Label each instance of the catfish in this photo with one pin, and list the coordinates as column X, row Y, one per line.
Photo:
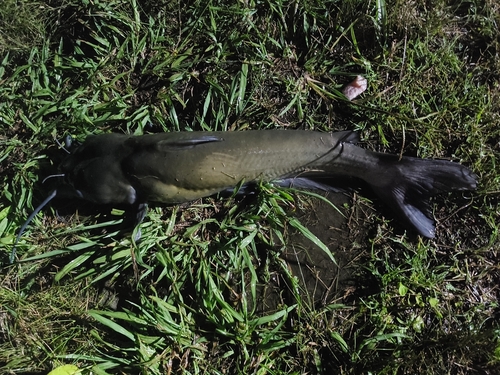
column 178, row 167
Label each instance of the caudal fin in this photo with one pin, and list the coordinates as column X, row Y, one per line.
column 404, row 185
column 410, row 182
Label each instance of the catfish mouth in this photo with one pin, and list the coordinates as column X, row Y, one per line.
column 65, row 190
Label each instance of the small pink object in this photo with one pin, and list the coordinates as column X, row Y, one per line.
column 355, row 88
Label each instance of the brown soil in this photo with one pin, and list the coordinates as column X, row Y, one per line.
column 322, row 281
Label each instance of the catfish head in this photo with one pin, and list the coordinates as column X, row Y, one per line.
column 93, row 172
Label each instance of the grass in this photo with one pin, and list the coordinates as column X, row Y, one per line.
column 247, row 285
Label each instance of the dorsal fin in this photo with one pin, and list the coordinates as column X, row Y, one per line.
column 188, row 143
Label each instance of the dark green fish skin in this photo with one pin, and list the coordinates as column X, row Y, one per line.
column 209, row 167
column 183, row 166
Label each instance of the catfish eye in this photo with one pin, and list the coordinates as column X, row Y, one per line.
column 80, row 177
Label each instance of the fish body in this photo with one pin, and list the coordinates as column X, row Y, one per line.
column 182, row 166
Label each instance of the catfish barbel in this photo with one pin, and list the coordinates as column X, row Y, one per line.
column 183, row 166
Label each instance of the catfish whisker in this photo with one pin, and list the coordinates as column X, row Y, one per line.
column 65, row 146
column 51, row 196
column 53, row 175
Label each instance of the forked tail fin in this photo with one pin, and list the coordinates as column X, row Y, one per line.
column 409, row 182
column 404, row 185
